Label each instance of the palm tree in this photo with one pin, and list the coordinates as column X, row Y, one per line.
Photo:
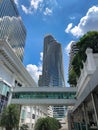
column 10, row 117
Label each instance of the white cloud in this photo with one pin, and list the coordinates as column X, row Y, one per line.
column 41, row 56
column 68, row 47
column 26, row 10
column 43, row 6
column 76, row 31
column 72, row 18
column 87, row 23
column 47, row 11
column 35, row 70
column 16, row 2
column 34, row 6
column 52, row 3
column 67, row 30
column 35, row 3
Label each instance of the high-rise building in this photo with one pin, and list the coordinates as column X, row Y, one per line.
column 74, row 49
column 53, row 72
column 12, row 71
column 11, row 27
column 13, row 34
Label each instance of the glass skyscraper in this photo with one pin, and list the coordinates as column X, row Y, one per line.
column 13, row 31
column 53, row 72
column 11, row 27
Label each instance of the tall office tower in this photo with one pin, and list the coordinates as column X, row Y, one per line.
column 72, row 53
column 11, row 27
column 53, row 72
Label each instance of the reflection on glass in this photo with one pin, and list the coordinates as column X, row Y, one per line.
column 11, row 27
column 42, row 95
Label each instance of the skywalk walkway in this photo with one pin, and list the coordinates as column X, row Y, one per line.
column 44, row 96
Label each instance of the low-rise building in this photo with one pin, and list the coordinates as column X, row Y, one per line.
column 86, row 108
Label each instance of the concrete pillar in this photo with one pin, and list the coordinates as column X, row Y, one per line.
column 20, row 112
column 90, row 60
column 10, row 96
column 69, row 117
column 95, row 105
column 35, row 112
column 85, row 115
column 30, row 118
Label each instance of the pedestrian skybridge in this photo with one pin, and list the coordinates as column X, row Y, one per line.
column 44, row 96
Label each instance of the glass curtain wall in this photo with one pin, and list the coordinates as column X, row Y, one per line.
column 4, row 94
column 11, row 27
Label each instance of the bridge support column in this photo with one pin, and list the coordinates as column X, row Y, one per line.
column 20, row 111
column 95, row 105
column 10, row 96
column 30, row 126
column 35, row 112
column 85, row 115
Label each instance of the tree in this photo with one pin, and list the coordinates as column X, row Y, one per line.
column 47, row 123
column 54, row 123
column 89, row 40
column 24, row 127
column 10, row 117
column 41, row 124
column 72, row 78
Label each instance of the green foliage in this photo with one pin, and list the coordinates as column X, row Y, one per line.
column 89, row 40
column 72, row 78
column 10, row 117
column 47, row 123
column 41, row 124
column 77, row 64
column 24, row 127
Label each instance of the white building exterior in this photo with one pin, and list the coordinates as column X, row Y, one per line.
column 13, row 74
column 89, row 67
column 30, row 114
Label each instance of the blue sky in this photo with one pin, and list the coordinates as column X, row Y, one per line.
column 66, row 20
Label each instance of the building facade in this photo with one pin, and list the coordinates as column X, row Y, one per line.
column 11, row 27
column 12, row 72
column 14, row 75
column 12, row 33
column 85, row 112
column 72, row 53
column 53, row 72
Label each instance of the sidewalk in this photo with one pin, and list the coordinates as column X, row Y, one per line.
column 64, row 128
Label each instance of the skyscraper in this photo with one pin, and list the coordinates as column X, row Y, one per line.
column 11, row 27
column 74, row 49
column 52, row 73
column 12, row 32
